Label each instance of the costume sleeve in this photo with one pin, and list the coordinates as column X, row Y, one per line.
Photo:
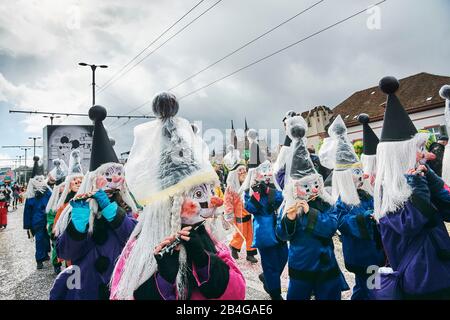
column 28, row 214
column 275, row 198
column 122, row 225
column 251, row 204
column 286, row 228
column 353, row 221
column 279, row 177
column 72, row 244
column 213, row 278
column 440, row 197
column 408, row 221
column 321, row 224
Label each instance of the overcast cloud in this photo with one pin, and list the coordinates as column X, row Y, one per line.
column 41, row 43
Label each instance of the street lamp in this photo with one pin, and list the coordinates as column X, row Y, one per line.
column 93, row 67
column 51, row 118
column 34, row 143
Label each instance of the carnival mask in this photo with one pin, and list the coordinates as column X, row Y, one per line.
column 308, row 187
column 112, row 178
column 264, row 173
column 75, row 184
column 199, row 204
column 358, row 177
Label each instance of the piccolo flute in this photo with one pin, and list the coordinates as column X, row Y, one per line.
column 169, row 248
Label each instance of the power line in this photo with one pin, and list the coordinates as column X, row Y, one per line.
column 151, row 43
column 158, row 47
column 278, row 51
column 77, row 114
column 245, row 45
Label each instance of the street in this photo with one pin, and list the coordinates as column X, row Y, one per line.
column 19, row 279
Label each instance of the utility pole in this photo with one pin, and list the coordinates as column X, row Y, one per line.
column 34, row 142
column 93, row 68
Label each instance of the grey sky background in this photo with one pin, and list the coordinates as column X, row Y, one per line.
column 41, row 43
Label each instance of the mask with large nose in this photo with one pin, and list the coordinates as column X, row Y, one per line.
column 111, row 178
column 308, row 187
column 199, row 204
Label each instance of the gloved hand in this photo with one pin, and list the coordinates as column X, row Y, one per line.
column 102, row 199
column 110, row 211
column 80, row 214
column 195, row 249
column 419, row 185
column 168, row 266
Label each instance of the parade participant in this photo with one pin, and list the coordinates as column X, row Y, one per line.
column 262, row 200
column 369, row 155
column 34, row 218
column 174, row 182
column 445, row 94
column 93, row 229
column 414, row 236
column 354, row 206
column 65, row 192
column 234, row 205
column 307, row 221
column 279, row 167
column 16, row 196
column 57, row 174
column 3, row 211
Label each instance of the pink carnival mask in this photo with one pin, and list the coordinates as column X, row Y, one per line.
column 264, row 173
column 308, row 187
column 111, row 179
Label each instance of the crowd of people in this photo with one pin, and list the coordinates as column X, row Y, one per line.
column 11, row 195
column 159, row 227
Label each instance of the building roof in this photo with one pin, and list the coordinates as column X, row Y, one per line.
column 417, row 93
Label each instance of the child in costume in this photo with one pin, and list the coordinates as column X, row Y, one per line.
column 174, row 180
column 262, row 200
column 234, row 205
column 354, row 206
column 93, row 229
column 409, row 206
column 34, row 216
column 307, row 221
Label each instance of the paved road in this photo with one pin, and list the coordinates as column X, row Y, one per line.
column 19, row 278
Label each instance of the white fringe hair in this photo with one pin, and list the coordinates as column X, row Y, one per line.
column 343, row 186
column 369, row 164
column 233, row 180
column 32, row 188
column 88, row 185
column 394, row 159
column 446, row 165
column 158, row 220
column 52, row 204
column 66, row 190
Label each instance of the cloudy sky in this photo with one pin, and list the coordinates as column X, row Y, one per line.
column 42, row 41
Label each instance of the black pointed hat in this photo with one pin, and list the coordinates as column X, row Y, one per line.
column 301, row 165
column 397, row 125
column 102, row 150
column 370, row 139
column 37, row 169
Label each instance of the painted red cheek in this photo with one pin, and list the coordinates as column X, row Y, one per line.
column 189, row 208
column 101, row 182
column 215, row 202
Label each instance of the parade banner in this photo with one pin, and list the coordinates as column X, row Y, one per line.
column 60, row 141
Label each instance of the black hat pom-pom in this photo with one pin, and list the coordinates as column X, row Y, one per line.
column 363, row 118
column 35, row 158
column 445, row 92
column 165, row 105
column 389, row 85
column 298, row 132
column 97, row 113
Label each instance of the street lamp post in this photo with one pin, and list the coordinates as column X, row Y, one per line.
column 93, row 68
column 34, row 143
column 26, row 167
column 51, row 118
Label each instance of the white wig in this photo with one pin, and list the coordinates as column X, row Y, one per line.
column 52, row 204
column 343, row 186
column 394, row 159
